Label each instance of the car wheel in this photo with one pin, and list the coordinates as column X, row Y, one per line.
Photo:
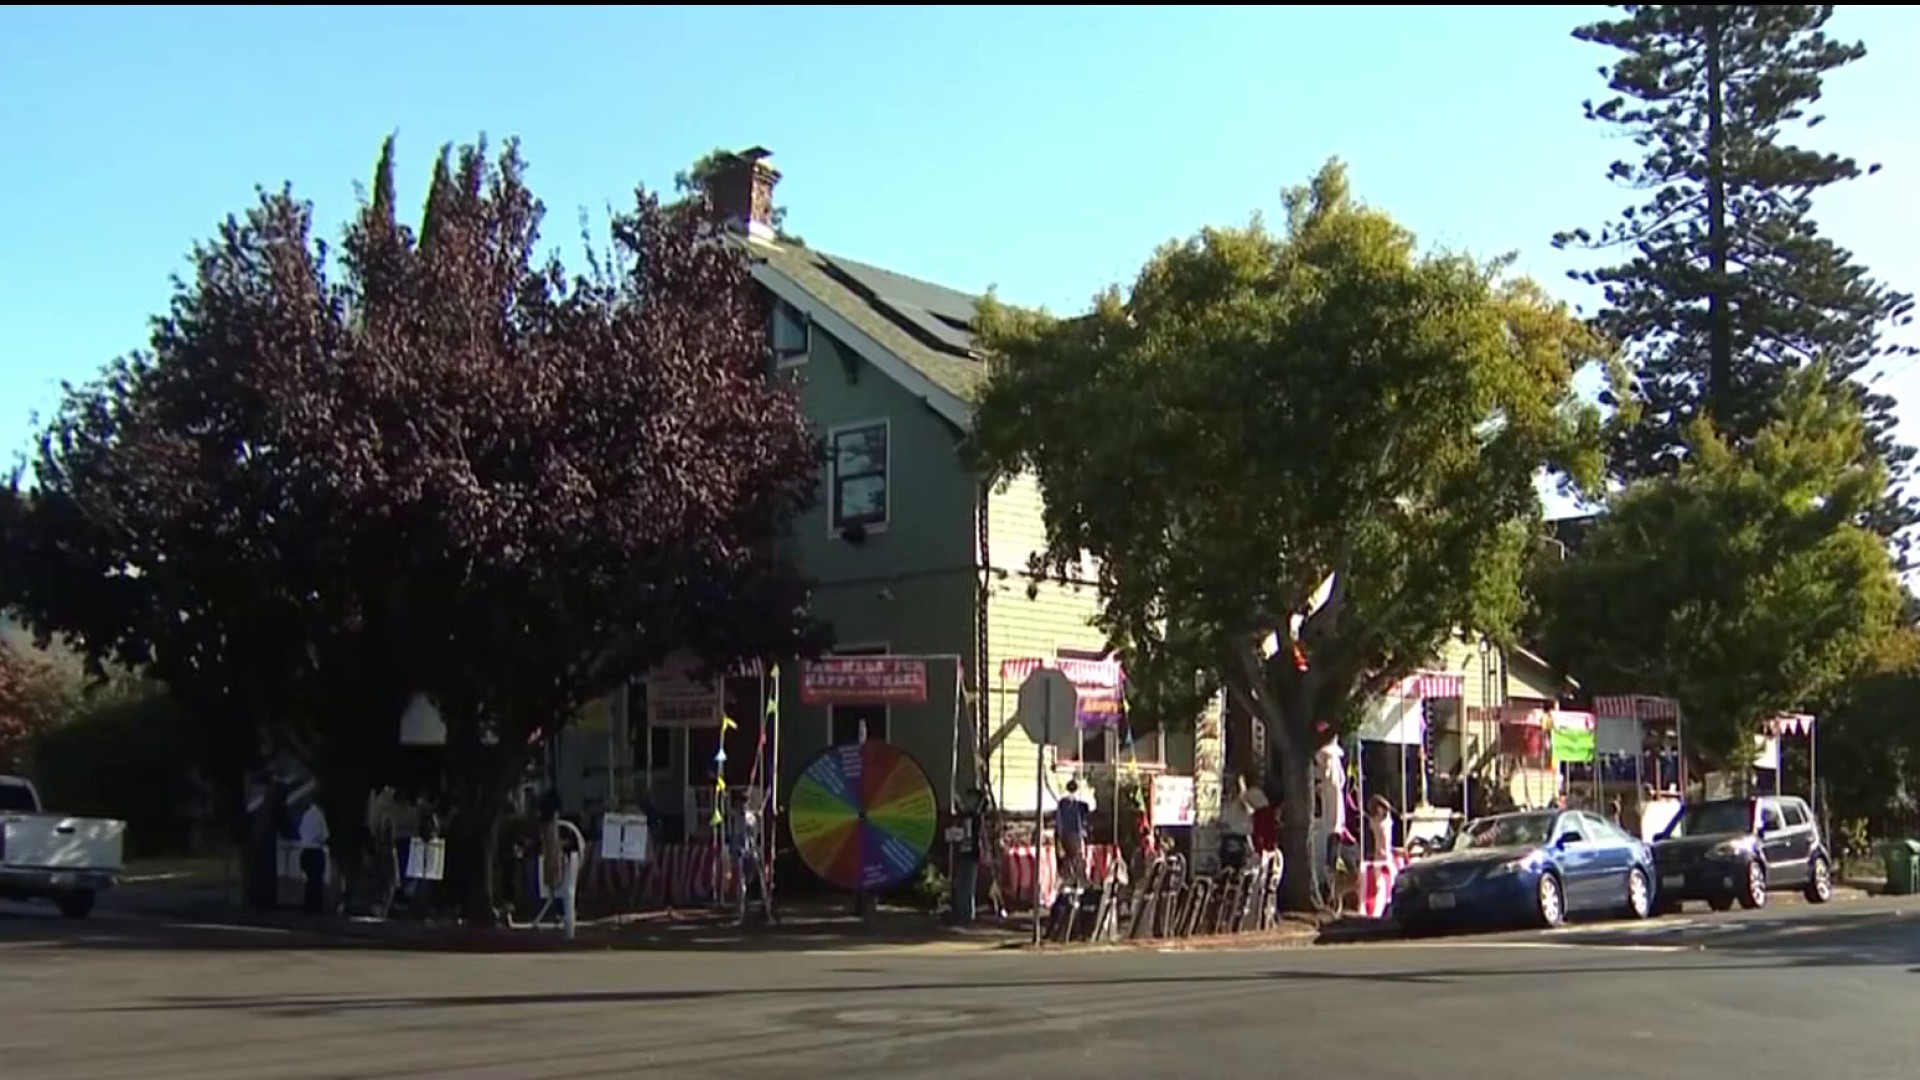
column 1820, row 881
column 1549, row 901
column 1720, row 903
column 1754, row 895
column 1639, row 894
column 75, row 905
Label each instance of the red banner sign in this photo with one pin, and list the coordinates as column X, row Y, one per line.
column 864, row 680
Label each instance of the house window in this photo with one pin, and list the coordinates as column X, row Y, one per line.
column 1096, row 745
column 659, row 750
column 859, row 488
column 789, row 333
column 702, row 746
column 849, row 724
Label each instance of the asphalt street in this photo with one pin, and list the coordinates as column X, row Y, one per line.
column 1789, row 992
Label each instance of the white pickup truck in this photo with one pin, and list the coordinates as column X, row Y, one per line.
column 43, row 856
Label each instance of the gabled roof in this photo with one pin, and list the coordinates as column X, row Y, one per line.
column 917, row 332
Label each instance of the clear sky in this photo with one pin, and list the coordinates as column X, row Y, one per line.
column 1045, row 150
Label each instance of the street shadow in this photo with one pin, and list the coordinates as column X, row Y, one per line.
column 233, row 931
column 299, row 1006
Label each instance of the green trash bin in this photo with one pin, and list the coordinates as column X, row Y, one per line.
column 1903, row 866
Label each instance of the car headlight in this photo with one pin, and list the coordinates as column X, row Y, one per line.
column 1731, row 849
column 1511, row 867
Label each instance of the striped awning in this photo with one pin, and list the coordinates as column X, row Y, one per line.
column 1788, row 724
column 1429, row 684
column 1511, row 715
column 1635, row 707
column 1080, row 672
column 1569, row 719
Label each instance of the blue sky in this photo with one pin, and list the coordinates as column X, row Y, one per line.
column 1043, row 150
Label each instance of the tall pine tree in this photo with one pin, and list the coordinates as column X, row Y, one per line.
column 1726, row 283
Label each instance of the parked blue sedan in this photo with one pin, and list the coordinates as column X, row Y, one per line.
column 1532, row 867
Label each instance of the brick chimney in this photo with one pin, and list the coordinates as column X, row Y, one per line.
column 741, row 189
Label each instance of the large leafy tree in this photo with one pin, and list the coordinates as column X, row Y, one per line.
column 34, row 699
column 1869, row 742
column 1264, row 416
column 1725, row 283
column 1745, row 585
column 438, row 465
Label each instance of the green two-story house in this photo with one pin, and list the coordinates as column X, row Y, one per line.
column 913, row 554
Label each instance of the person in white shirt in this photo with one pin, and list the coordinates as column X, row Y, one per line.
column 313, row 857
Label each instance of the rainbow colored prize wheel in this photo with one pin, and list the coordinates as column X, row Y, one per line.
column 863, row 816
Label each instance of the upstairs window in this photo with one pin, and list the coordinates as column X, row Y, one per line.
column 859, row 476
column 789, row 334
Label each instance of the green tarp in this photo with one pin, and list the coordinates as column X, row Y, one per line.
column 1572, row 744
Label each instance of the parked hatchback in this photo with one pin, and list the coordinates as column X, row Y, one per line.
column 1737, row 851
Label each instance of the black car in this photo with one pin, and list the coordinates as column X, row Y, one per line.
column 1734, row 851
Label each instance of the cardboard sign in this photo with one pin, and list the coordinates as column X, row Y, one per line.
column 864, row 680
column 623, row 838
column 675, row 699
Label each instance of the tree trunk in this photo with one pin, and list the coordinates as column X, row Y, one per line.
column 479, row 779
column 1291, row 745
column 1719, row 310
column 470, row 855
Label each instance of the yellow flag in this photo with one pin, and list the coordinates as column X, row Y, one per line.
column 727, row 724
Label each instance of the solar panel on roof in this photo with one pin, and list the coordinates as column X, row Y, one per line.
column 930, row 324
column 930, row 312
column 892, row 286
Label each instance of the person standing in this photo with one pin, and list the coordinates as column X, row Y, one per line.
column 1236, row 823
column 970, row 839
column 1070, row 816
column 744, row 853
column 313, row 857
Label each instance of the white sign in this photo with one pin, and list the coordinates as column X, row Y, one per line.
column 421, row 724
column 675, row 699
column 1398, row 720
column 623, row 838
column 1172, row 801
column 426, row 859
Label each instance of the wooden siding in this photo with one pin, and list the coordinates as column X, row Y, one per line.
column 1025, row 618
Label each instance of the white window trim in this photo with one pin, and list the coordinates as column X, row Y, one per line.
column 801, row 319
column 885, row 424
column 864, row 648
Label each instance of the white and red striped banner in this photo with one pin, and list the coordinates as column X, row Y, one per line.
column 1429, row 684
column 1567, row 719
column 1083, row 674
column 1635, row 707
column 1018, row 868
column 679, row 875
column 1788, row 724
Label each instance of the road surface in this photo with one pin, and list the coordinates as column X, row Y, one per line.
column 1799, row 993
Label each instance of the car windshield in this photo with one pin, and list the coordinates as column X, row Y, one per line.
column 1713, row 818
column 1508, row 830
